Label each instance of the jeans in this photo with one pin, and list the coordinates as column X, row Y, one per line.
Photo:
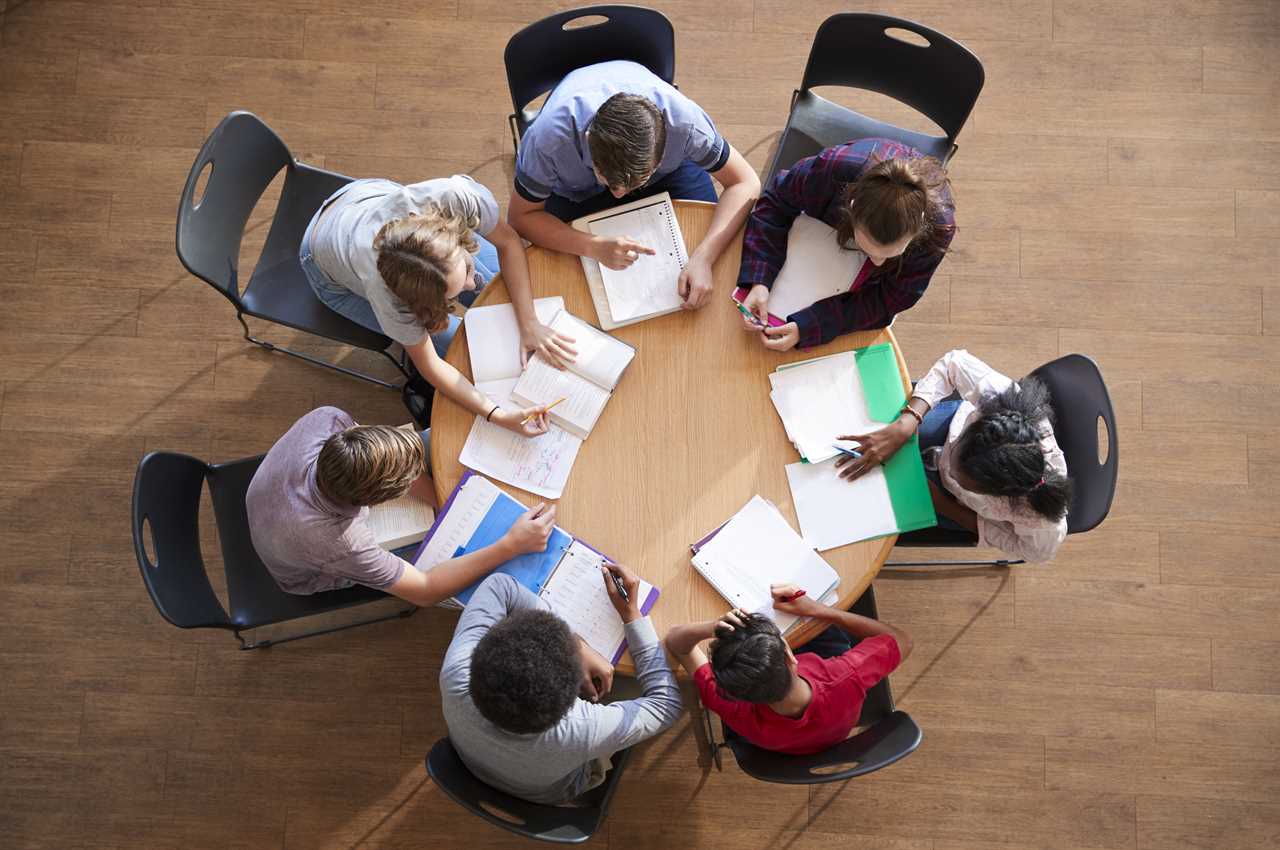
column 933, row 432
column 357, row 308
column 688, row 182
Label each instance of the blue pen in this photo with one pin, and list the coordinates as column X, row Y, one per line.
column 844, row 451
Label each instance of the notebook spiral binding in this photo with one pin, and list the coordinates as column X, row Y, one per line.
column 669, row 214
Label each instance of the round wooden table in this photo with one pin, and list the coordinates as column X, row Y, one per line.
column 688, row 438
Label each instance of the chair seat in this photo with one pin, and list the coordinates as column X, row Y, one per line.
column 890, row 740
column 938, row 537
column 281, row 293
column 816, row 124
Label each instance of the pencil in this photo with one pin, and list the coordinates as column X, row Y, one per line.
column 546, row 409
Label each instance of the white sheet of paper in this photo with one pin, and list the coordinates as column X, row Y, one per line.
column 833, row 512
column 816, row 268
column 493, row 337
column 819, row 401
column 600, row 358
column 400, row 521
column 543, row 384
column 465, row 515
column 577, row 594
column 756, row 548
column 540, row 464
column 649, row 284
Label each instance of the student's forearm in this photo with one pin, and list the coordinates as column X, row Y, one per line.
column 542, row 228
column 859, row 626
column 681, row 640
column 457, row 574
column 449, row 381
column 515, row 273
column 731, row 211
column 956, row 512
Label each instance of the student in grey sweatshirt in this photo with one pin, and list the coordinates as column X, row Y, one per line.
column 519, row 692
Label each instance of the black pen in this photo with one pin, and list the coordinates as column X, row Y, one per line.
column 617, row 582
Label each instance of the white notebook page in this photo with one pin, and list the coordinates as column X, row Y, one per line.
column 649, row 284
column 600, row 358
column 469, row 507
column 819, row 401
column 401, row 521
column 493, row 337
column 816, row 267
column 834, row 512
column 540, row 464
column 577, row 594
column 543, row 384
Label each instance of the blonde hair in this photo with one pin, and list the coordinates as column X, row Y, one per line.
column 415, row 254
column 369, row 464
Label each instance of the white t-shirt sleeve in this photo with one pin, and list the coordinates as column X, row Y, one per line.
column 959, row 371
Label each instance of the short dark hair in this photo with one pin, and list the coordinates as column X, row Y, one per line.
column 1000, row 450
column 626, row 138
column 750, row 663
column 525, row 672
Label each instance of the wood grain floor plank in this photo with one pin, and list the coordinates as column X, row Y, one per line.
column 35, row 211
column 687, row 16
column 1248, row 262
column 922, row 345
column 1239, row 70
column 1005, row 20
column 1013, row 65
column 87, row 309
column 1257, row 213
column 1163, row 162
column 1051, row 160
column 1197, row 404
column 1218, row 718
column 1171, row 823
column 1231, row 561
column 1230, row 23
column 42, row 718
column 1246, row 666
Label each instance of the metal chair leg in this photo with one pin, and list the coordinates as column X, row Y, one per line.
column 269, row 642
column 1002, row 562
column 271, row 346
column 711, row 738
column 515, row 135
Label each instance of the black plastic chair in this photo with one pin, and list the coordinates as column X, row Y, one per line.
column 1079, row 399
column 543, row 53
column 891, row 736
column 246, row 155
column 166, row 497
column 556, row 824
column 853, row 49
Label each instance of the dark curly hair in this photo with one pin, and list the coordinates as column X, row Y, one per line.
column 750, row 663
column 1000, row 450
column 525, row 672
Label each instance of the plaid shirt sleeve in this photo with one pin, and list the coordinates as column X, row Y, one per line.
column 807, row 187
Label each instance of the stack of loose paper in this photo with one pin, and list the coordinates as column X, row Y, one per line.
column 854, row 392
column 648, row 287
column 756, row 548
column 400, row 522
column 816, row 268
column 540, row 464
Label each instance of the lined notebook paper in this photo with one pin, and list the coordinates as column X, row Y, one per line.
column 646, row 288
column 400, row 522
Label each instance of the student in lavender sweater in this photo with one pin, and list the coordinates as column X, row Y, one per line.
column 521, row 695
column 308, row 507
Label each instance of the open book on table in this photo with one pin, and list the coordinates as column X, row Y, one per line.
column 648, row 287
column 399, row 522
column 566, row 575
column 585, row 385
column 816, row 268
column 757, row 548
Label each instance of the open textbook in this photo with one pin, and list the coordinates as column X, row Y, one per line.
column 648, row 287
column 399, row 522
column 756, row 548
column 566, row 575
column 816, row 268
column 540, row 464
column 585, row 385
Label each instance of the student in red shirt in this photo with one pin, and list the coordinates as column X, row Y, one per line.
column 780, row 701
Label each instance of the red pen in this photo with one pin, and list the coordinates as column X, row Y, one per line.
column 793, row 597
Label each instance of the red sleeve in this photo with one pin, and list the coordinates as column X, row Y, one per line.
column 736, row 714
column 871, row 660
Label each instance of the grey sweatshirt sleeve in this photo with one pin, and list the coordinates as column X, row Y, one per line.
column 619, row 725
column 497, row 596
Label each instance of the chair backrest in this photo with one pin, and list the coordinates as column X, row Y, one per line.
column 893, row 738
column 879, row 700
column 555, row 824
column 941, row 80
column 1080, row 399
column 246, row 155
column 543, row 53
column 166, row 509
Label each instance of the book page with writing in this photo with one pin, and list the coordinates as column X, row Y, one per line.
column 470, row 504
column 834, row 512
column 493, row 337
column 601, row 359
column 583, row 403
column 539, row 464
column 576, row 593
column 816, row 268
column 648, row 285
column 401, row 521
column 819, row 401
column 756, row 548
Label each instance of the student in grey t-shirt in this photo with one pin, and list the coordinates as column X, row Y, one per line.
column 392, row 257
column 519, row 692
column 615, row 132
column 309, row 501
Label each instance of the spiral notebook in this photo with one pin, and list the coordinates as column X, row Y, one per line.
column 647, row 288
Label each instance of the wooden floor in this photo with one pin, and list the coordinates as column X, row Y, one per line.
column 1118, row 194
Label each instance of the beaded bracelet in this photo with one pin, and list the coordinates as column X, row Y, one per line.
column 909, row 409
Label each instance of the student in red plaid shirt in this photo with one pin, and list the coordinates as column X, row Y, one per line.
column 884, row 199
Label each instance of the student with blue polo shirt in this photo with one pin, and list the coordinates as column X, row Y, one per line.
column 612, row 133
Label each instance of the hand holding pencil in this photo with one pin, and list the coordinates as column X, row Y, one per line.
column 542, row 412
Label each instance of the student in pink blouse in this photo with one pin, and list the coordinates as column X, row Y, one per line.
column 1000, row 473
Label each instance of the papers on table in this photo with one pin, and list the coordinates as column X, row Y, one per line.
column 757, row 547
column 819, row 400
column 816, row 268
column 647, row 287
column 540, row 464
column 400, row 521
column 576, row 593
column 834, row 512
column 493, row 337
